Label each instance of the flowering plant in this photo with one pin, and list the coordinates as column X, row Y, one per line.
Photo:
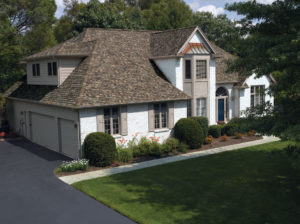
column 71, row 166
column 154, row 139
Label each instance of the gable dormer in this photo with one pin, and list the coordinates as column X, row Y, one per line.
column 51, row 71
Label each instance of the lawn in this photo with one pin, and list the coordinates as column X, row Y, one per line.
column 252, row 185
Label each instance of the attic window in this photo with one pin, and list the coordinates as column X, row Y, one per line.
column 36, row 69
column 52, row 68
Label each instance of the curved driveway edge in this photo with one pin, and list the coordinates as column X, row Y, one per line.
column 126, row 168
column 30, row 193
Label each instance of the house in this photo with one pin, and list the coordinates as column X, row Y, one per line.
column 126, row 83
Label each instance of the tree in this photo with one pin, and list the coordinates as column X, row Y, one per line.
column 219, row 29
column 272, row 46
column 167, row 14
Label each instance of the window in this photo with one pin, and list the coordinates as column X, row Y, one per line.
column 188, row 74
column 257, row 95
column 160, row 115
column 52, row 68
column 36, row 69
column 112, row 121
column 201, row 70
column 201, row 107
column 189, row 108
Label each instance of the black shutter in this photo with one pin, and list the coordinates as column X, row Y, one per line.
column 38, row 69
column 33, row 70
column 49, row 69
column 54, row 65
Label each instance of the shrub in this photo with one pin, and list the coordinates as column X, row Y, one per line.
column 251, row 133
column 190, row 132
column 203, row 121
column 100, row 149
column 238, row 135
column 230, row 129
column 209, row 140
column 224, row 138
column 183, row 147
column 124, row 155
column 291, row 133
column 172, row 143
column 155, row 149
column 143, row 147
column 215, row 131
column 165, row 149
column 222, row 129
column 71, row 166
column 293, row 150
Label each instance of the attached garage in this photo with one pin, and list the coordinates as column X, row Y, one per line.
column 53, row 127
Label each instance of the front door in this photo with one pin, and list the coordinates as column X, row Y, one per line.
column 221, row 109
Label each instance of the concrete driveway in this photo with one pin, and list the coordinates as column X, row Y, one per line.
column 30, row 193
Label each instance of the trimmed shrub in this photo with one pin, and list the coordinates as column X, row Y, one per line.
column 238, row 135
column 124, row 155
column 203, row 121
column 230, row 129
column 215, row 131
column 165, row 149
column 172, row 143
column 190, row 132
column 224, row 138
column 183, row 147
column 155, row 149
column 144, row 147
column 223, row 129
column 100, row 149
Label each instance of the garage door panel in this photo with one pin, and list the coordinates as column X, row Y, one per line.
column 69, row 138
column 44, row 131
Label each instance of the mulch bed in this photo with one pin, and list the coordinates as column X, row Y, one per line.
column 216, row 144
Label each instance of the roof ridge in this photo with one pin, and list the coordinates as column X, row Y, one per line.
column 118, row 29
column 171, row 30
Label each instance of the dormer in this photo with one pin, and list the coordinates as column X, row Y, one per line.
column 50, row 71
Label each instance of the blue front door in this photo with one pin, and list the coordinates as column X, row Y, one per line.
column 221, row 109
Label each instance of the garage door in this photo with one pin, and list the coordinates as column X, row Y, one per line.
column 69, row 138
column 44, row 131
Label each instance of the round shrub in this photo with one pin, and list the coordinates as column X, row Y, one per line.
column 190, row 132
column 172, row 143
column 215, row 131
column 230, row 129
column 100, row 149
column 203, row 121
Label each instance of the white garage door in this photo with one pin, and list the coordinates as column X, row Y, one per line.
column 69, row 138
column 44, row 131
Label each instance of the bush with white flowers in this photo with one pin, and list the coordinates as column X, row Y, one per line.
column 71, row 166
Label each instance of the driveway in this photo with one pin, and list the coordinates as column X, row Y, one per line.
column 30, row 193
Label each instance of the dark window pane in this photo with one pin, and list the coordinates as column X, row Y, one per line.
column 252, row 100
column 38, row 69
column 33, row 70
column 107, row 125
column 49, row 69
column 188, row 69
column 106, row 112
column 115, row 111
column 116, row 125
column 163, row 115
column 156, row 121
column 54, row 68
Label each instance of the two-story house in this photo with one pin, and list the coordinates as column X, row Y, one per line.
column 126, row 83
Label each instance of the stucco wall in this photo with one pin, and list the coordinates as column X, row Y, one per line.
column 137, row 120
column 245, row 99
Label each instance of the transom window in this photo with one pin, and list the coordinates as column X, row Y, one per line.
column 36, row 69
column 201, row 70
column 201, row 107
column 257, row 95
column 221, row 91
column 160, row 115
column 188, row 70
column 112, row 120
column 52, row 68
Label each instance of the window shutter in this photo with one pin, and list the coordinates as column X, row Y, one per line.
column 171, row 115
column 151, row 117
column 100, row 120
column 124, row 127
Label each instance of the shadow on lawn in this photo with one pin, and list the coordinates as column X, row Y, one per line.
column 244, row 186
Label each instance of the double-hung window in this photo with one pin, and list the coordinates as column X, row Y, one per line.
column 257, row 95
column 201, row 70
column 112, row 120
column 201, row 107
column 52, row 68
column 160, row 115
column 36, row 69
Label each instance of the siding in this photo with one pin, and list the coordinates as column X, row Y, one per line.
column 43, row 79
column 66, row 66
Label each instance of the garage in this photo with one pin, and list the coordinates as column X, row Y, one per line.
column 44, row 131
column 68, row 138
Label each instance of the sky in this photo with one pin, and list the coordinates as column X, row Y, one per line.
column 214, row 6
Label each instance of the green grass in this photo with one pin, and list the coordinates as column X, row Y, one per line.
column 253, row 185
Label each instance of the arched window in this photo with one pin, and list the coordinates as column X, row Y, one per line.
column 221, row 91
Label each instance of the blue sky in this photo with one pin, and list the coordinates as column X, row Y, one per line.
column 214, row 6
